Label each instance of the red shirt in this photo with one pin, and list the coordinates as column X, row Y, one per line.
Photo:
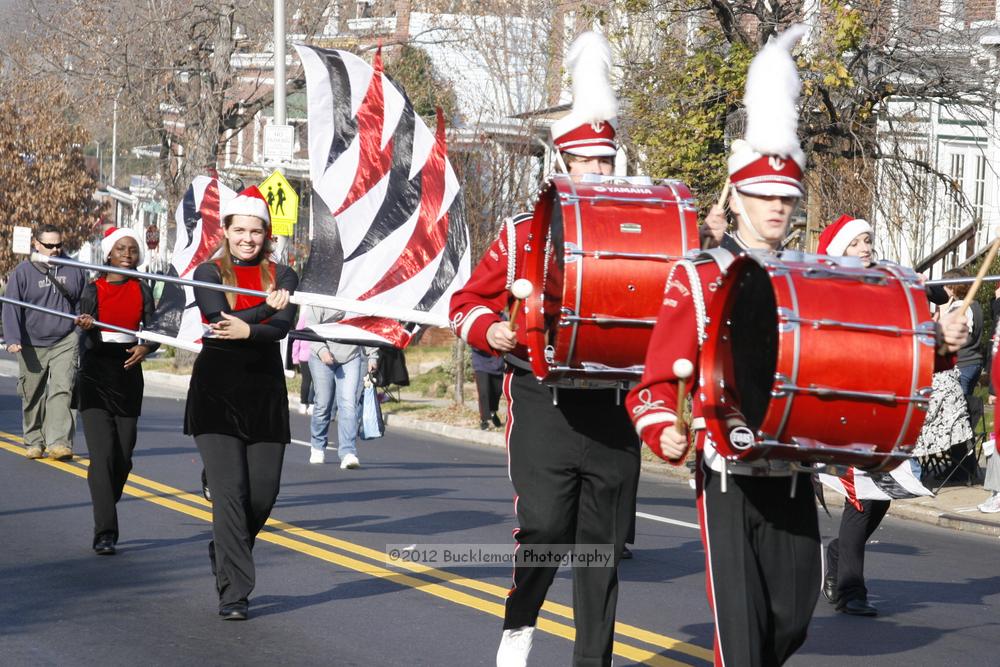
column 119, row 303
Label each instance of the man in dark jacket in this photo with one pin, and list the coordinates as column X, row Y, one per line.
column 45, row 346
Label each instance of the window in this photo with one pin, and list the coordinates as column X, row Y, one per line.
column 955, row 193
column 979, row 193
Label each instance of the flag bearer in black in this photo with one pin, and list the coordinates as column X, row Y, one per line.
column 109, row 384
column 237, row 404
column 574, row 461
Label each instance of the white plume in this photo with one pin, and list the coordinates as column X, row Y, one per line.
column 772, row 95
column 589, row 61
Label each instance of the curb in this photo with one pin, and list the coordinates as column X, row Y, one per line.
column 902, row 509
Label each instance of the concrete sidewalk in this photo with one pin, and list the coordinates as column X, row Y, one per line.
column 953, row 507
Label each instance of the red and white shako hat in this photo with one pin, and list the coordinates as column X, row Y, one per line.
column 113, row 234
column 837, row 236
column 248, row 202
column 769, row 161
column 588, row 129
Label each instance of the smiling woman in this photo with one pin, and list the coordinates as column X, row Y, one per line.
column 110, row 384
column 237, row 404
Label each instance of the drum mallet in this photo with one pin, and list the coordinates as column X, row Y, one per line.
column 722, row 197
column 683, row 370
column 983, row 270
column 521, row 289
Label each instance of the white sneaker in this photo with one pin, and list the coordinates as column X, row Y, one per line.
column 515, row 645
column 350, row 462
column 992, row 504
column 317, row 455
column 303, row 408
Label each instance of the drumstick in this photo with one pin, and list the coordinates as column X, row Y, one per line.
column 725, row 193
column 983, row 270
column 521, row 289
column 683, row 370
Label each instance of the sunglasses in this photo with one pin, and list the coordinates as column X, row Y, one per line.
column 50, row 246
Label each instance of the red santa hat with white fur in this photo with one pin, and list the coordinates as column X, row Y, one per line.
column 588, row 129
column 114, row 234
column 769, row 161
column 248, row 202
column 837, row 236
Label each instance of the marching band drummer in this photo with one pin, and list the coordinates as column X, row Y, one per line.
column 109, row 384
column 237, row 403
column 574, row 461
column 761, row 540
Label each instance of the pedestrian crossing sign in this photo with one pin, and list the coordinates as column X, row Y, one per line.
column 282, row 202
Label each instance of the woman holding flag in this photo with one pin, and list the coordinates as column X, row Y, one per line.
column 109, row 384
column 237, row 404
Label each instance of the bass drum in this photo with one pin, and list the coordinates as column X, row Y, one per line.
column 601, row 249
column 825, row 360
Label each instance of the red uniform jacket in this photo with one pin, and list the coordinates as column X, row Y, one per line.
column 478, row 304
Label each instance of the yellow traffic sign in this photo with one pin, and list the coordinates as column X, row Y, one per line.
column 282, row 201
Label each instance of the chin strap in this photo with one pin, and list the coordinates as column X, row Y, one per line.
column 746, row 218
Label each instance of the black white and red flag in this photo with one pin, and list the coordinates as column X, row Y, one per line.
column 199, row 232
column 390, row 228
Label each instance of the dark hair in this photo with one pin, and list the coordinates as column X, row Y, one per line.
column 960, row 289
column 47, row 228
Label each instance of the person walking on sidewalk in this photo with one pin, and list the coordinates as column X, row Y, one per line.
column 237, row 403
column 337, row 372
column 45, row 346
column 489, row 372
column 992, row 481
column 110, row 386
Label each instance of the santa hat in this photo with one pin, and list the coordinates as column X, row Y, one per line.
column 248, row 202
column 588, row 129
column 769, row 161
column 836, row 237
column 113, row 234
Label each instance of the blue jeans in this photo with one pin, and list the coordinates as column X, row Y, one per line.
column 967, row 377
column 343, row 383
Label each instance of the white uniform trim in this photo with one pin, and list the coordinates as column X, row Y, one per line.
column 117, row 337
column 472, row 316
column 654, row 418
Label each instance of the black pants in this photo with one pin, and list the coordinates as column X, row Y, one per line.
column 488, row 390
column 110, row 441
column 305, row 390
column 845, row 555
column 762, row 565
column 575, row 468
column 244, row 478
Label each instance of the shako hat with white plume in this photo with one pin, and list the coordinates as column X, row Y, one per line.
column 588, row 129
column 769, row 160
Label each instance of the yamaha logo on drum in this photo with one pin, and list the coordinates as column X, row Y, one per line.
column 741, row 438
column 628, row 191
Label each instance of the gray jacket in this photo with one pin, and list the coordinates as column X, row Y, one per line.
column 32, row 283
column 342, row 352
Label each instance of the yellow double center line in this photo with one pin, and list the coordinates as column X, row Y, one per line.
column 293, row 537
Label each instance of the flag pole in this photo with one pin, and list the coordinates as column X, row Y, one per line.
column 300, row 298
column 143, row 335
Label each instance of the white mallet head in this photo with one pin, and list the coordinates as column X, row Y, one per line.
column 683, row 369
column 522, row 288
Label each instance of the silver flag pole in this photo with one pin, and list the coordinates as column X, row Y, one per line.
column 144, row 335
column 961, row 281
column 301, row 298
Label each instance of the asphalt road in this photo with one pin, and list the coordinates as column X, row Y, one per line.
column 325, row 594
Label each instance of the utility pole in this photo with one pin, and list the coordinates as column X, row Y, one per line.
column 279, row 97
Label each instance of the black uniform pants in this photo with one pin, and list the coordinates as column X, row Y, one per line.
column 110, row 441
column 488, row 390
column 244, row 478
column 845, row 555
column 575, row 468
column 763, row 572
